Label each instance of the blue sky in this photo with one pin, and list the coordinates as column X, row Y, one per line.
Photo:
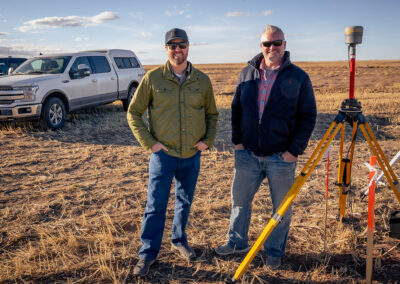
column 219, row 31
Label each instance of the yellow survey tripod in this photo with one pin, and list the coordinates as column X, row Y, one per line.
column 350, row 112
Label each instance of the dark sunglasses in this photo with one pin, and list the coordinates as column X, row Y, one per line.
column 273, row 42
column 174, row 45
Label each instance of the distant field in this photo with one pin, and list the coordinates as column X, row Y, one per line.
column 71, row 201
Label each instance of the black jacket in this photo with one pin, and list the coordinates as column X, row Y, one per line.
column 289, row 116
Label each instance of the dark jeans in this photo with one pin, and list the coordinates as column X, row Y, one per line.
column 162, row 169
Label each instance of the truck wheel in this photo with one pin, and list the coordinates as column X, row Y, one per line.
column 53, row 113
column 127, row 101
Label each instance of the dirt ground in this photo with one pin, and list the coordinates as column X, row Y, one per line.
column 71, row 201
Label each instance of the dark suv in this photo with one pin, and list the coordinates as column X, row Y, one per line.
column 9, row 62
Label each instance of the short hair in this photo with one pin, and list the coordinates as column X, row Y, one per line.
column 272, row 29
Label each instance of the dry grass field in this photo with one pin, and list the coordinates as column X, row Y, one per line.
column 71, row 201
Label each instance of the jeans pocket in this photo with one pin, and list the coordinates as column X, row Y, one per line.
column 243, row 159
column 279, row 155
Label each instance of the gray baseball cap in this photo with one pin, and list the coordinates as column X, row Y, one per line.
column 176, row 34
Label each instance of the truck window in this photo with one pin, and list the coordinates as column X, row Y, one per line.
column 100, row 64
column 126, row 62
column 119, row 62
column 134, row 62
column 44, row 65
column 14, row 63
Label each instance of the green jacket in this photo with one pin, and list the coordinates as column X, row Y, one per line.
column 178, row 116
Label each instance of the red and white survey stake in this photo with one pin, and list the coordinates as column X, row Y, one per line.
column 371, row 222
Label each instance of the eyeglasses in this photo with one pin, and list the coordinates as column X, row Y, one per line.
column 174, row 45
column 273, row 42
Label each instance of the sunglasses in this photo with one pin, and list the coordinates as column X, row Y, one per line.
column 273, row 42
column 174, row 45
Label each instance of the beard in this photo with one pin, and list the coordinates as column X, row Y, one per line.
column 178, row 58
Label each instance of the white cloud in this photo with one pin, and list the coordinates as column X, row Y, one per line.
column 174, row 13
column 3, row 34
column 245, row 14
column 142, row 34
column 69, row 21
column 267, row 13
column 27, row 50
column 80, row 39
column 104, row 16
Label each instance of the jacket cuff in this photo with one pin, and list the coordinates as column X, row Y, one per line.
column 294, row 151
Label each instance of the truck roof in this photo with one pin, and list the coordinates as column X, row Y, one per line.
column 110, row 52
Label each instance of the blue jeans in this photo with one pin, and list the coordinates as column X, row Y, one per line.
column 250, row 171
column 162, row 169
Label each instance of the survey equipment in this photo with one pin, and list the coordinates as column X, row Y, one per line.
column 349, row 113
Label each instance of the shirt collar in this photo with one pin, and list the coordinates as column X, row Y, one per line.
column 185, row 75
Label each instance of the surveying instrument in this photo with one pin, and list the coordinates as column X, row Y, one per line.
column 350, row 113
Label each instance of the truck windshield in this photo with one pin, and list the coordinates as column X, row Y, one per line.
column 44, row 65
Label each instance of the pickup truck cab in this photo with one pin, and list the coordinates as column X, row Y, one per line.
column 47, row 87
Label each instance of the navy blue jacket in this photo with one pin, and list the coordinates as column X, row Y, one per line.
column 289, row 116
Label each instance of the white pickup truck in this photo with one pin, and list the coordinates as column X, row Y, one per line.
column 48, row 86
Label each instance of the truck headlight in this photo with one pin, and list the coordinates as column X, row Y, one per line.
column 29, row 92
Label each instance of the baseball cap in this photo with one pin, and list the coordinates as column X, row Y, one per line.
column 176, row 34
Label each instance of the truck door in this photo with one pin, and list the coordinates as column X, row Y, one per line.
column 81, row 90
column 106, row 79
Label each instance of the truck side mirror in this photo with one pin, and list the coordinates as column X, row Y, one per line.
column 83, row 70
column 10, row 70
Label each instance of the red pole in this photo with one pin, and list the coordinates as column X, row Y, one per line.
column 352, row 69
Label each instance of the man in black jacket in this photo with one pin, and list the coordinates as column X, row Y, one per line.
column 273, row 116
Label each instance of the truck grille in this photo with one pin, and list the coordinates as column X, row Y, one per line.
column 8, row 94
column 8, row 102
column 6, row 88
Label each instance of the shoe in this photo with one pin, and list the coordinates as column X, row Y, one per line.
column 228, row 250
column 185, row 252
column 142, row 267
column 273, row 262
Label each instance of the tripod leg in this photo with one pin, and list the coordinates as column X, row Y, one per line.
column 288, row 199
column 345, row 173
column 341, row 170
column 383, row 163
column 344, row 186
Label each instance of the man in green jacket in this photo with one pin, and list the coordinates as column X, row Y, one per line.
column 182, row 118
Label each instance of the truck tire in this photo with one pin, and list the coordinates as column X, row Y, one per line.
column 53, row 113
column 127, row 101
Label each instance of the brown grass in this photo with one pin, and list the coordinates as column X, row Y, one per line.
column 71, row 201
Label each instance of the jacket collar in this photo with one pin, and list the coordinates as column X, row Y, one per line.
column 167, row 72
